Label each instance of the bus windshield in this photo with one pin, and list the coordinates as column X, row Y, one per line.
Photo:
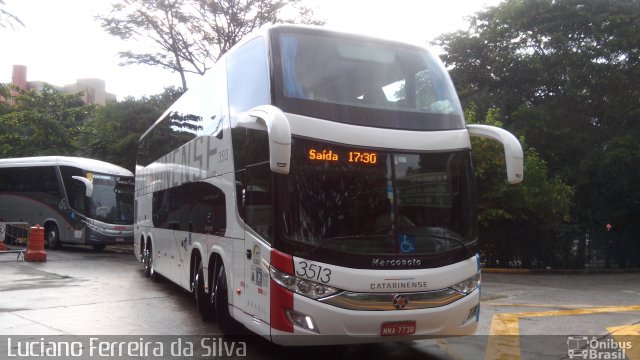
column 378, row 83
column 112, row 199
column 365, row 201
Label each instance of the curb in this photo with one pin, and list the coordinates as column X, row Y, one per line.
column 505, row 271
column 559, row 271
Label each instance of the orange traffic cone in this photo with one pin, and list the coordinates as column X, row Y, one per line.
column 35, row 246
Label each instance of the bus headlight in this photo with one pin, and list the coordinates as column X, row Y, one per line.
column 467, row 286
column 301, row 286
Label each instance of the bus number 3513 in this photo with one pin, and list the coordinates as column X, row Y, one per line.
column 314, row 272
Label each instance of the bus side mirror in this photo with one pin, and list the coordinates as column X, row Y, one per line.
column 87, row 184
column 272, row 119
column 513, row 154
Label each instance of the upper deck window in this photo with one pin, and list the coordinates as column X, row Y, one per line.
column 363, row 81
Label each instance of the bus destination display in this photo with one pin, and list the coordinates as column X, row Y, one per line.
column 350, row 156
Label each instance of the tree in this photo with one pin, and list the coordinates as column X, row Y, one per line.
column 45, row 122
column 113, row 134
column 165, row 24
column 563, row 73
column 518, row 222
column 224, row 23
column 553, row 67
column 7, row 19
column 187, row 36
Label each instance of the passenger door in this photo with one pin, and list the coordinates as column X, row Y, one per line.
column 258, row 210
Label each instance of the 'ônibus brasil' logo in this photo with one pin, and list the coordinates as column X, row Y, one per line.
column 583, row 347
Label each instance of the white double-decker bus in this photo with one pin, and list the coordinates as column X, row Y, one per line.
column 318, row 182
column 77, row 200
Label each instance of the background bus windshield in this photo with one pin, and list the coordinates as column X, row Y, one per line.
column 112, row 200
column 382, row 203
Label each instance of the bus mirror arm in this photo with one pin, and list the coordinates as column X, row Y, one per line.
column 277, row 125
column 513, row 154
column 87, row 184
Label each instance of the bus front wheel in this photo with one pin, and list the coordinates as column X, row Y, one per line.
column 52, row 236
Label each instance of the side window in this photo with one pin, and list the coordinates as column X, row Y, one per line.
column 257, row 196
column 195, row 207
column 75, row 189
column 249, row 146
column 174, row 130
column 208, row 214
column 248, row 77
column 160, row 209
column 6, row 179
column 44, row 179
column 30, row 179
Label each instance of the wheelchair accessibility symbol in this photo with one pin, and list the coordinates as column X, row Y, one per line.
column 407, row 244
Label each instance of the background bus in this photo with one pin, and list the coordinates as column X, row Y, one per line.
column 318, row 182
column 77, row 200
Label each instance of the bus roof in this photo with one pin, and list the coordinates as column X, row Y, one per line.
column 79, row 162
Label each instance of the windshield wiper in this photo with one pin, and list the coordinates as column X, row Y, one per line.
column 323, row 242
column 460, row 242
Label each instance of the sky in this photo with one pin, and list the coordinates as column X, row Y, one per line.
column 61, row 40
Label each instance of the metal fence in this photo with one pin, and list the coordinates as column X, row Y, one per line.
column 15, row 236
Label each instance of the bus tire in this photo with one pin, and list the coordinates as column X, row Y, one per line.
column 153, row 275
column 220, row 298
column 98, row 247
column 52, row 236
column 202, row 300
column 146, row 265
column 149, row 269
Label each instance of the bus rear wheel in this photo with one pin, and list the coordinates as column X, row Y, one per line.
column 202, row 300
column 149, row 270
column 146, row 261
column 52, row 236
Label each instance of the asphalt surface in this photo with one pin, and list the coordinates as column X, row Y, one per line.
column 79, row 294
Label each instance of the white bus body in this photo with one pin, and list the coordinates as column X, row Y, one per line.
column 77, row 200
column 318, row 183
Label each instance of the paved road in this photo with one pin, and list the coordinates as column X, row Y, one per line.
column 104, row 295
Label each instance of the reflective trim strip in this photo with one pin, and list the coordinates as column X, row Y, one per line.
column 384, row 301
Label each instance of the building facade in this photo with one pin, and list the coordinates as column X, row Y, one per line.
column 93, row 90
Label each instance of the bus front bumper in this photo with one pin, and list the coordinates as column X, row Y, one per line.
column 108, row 237
column 335, row 325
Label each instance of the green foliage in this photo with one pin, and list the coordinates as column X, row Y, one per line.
column 541, row 202
column 553, row 67
column 113, row 134
column 564, row 74
column 45, row 122
column 187, row 36
column 7, row 19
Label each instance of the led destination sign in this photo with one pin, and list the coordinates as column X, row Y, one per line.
column 350, row 156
